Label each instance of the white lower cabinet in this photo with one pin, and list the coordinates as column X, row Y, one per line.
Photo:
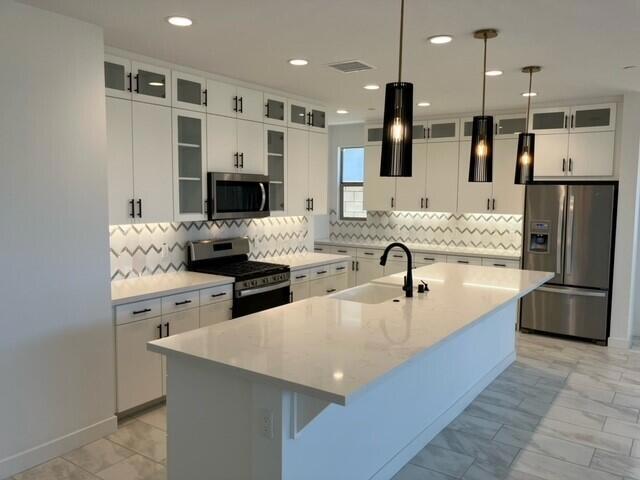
column 299, row 291
column 464, row 260
column 422, row 259
column 497, row 262
column 368, row 269
column 328, row 285
column 215, row 313
column 394, row 266
column 139, row 372
column 173, row 324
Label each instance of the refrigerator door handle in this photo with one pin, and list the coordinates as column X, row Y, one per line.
column 559, row 236
column 569, row 233
column 573, row 291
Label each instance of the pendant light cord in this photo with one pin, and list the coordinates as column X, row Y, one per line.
column 484, row 73
column 401, row 38
column 526, row 128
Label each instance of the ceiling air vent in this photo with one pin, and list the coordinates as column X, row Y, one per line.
column 351, row 66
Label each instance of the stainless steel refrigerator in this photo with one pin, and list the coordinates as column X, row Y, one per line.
column 569, row 230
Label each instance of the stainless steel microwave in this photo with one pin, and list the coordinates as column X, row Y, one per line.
column 237, row 195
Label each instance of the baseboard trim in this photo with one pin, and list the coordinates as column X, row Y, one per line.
column 619, row 342
column 58, row 446
column 418, row 443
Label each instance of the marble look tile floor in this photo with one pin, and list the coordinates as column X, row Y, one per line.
column 563, row 411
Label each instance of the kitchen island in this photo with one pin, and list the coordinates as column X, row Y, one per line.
column 349, row 386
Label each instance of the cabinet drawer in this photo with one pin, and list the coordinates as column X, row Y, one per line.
column 344, row 251
column 322, row 248
column 180, row 301
column 368, row 253
column 338, row 268
column 496, row 262
column 397, row 255
column 299, row 276
column 320, row 272
column 464, row 260
column 131, row 312
column 429, row 258
column 216, row 294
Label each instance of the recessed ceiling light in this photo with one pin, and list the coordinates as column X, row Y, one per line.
column 298, row 62
column 177, row 21
column 440, row 39
column 341, row 111
column 156, row 84
column 371, row 86
column 424, row 104
column 493, row 73
column 527, row 94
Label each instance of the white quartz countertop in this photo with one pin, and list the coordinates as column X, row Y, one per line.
column 426, row 248
column 334, row 349
column 306, row 260
column 151, row 286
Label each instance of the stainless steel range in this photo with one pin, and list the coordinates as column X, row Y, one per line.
column 258, row 285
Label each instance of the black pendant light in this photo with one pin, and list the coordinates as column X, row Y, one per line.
column 481, row 162
column 397, row 136
column 526, row 140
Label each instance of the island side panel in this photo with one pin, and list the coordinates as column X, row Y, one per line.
column 380, row 430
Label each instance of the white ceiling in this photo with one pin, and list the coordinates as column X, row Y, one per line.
column 581, row 44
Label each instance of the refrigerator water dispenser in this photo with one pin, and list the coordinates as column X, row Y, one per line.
column 539, row 237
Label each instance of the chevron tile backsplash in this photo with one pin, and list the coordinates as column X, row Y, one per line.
column 442, row 229
column 137, row 250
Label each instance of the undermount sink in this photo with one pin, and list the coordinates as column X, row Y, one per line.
column 370, row 293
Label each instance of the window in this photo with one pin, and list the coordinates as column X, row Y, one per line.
column 352, row 183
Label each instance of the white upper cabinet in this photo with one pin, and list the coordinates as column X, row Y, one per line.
column 593, row 118
column 275, row 151
column 549, row 120
column 232, row 101
column 318, row 172
column 189, row 165
column 117, row 77
column 120, row 161
column 222, row 144
column 189, row 92
column 250, row 147
column 509, row 126
column 591, row 154
column 443, row 130
column 442, row 177
column 152, row 163
column 473, row 197
column 551, row 155
column 151, row 84
column 507, row 196
column 275, row 110
column 379, row 192
column 297, row 172
column 410, row 191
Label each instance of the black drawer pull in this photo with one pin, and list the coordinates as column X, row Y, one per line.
column 499, row 265
column 321, row 272
column 340, row 268
column 138, row 312
column 331, row 290
column 218, row 295
column 300, row 277
column 396, row 256
column 429, row 259
column 183, row 303
column 341, row 251
column 463, row 261
column 368, row 253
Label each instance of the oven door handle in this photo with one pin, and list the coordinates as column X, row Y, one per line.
column 254, row 291
column 264, row 196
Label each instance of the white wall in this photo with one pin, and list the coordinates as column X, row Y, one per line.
column 56, row 345
column 624, row 274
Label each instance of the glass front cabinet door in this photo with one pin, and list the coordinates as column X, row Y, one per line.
column 275, row 110
column 593, row 118
column 549, row 120
column 298, row 114
column 276, row 140
column 151, row 84
column 117, row 77
column 189, row 92
column 509, row 126
column 189, row 165
column 443, row 130
column 317, row 119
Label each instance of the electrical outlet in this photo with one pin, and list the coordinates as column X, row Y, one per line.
column 165, row 250
column 266, row 423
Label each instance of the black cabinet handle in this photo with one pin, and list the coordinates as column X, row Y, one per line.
column 218, row 295
column 235, row 104
column 426, row 202
column 493, row 204
column 137, row 83
column 159, row 327
column 368, row 253
column 391, row 202
column 488, row 204
column 312, row 206
column 353, row 266
column 463, row 261
column 570, row 164
column 185, row 302
column 235, row 159
column 321, row 272
column 564, row 164
column 421, row 202
column 429, row 259
column 241, row 104
column 206, row 97
column 565, row 121
column 307, row 202
column 139, row 208
column 572, row 120
column 138, row 312
column 132, row 212
column 499, row 265
column 266, row 106
column 300, row 277
column 340, row 268
column 331, row 290
column 309, row 118
column 129, row 77
column 166, row 326
column 357, row 266
column 396, row 256
column 341, row 251
column 241, row 159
